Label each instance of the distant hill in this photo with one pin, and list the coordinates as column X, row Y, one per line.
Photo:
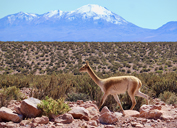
column 105, row 58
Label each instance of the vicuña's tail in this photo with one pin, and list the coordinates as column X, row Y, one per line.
column 140, row 94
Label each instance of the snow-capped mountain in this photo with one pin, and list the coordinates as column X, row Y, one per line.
column 96, row 12
column 87, row 12
column 87, row 23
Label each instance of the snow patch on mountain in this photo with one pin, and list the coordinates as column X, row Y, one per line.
column 96, row 12
column 91, row 8
column 55, row 13
column 21, row 16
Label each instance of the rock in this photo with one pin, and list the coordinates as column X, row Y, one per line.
column 33, row 125
column 92, row 122
column 86, row 118
column 8, row 115
column 41, row 120
column 165, row 116
column 72, row 104
column 83, row 125
column 17, row 110
column 158, row 111
column 104, row 109
column 118, row 114
column 65, row 118
column 26, row 92
column 168, row 112
column 137, row 125
column 13, row 104
column 29, row 107
column 12, row 125
column 109, row 126
column 78, row 112
column 158, row 107
column 149, row 111
column 59, row 124
column 95, row 118
column 89, row 104
column 131, row 113
column 107, row 117
column 24, row 122
column 93, row 111
column 3, row 125
column 51, row 125
column 79, row 102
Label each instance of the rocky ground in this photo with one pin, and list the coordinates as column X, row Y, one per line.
column 87, row 115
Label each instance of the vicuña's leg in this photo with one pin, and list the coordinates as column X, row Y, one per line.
column 140, row 94
column 103, row 100
column 132, row 97
column 118, row 101
column 131, row 93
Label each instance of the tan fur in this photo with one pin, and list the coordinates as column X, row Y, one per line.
column 117, row 85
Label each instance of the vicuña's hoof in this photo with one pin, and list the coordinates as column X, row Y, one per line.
column 123, row 113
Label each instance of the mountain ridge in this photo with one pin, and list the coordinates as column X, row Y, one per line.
column 87, row 23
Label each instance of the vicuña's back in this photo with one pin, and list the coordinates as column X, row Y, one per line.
column 117, row 85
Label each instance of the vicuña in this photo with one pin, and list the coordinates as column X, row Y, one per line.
column 117, row 85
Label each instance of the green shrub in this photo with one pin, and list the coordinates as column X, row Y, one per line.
column 159, row 71
column 168, row 97
column 8, row 94
column 50, row 106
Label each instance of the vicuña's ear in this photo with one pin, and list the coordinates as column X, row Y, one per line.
column 87, row 63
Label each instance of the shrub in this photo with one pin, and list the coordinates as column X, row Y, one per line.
column 8, row 94
column 50, row 106
column 56, row 86
column 159, row 71
column 77, row 96
column 168, row 97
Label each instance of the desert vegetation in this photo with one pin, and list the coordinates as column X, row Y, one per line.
column 41, row 58
column 52, row 69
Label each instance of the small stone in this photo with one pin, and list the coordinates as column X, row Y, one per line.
column 105, row 109
column 107, row 118
column 83, row 125
column 59, row 124
column 3, row 125
column 157, row 107
column 109, row 126
column 92, row 122
column 158, row 120
column 118, row 114
column 168, row 121
column 24, row 122
column 93, row 111
column 137, row 125
column 41, row 120
column 79, row 102
column 131, row 113
column 86, row 118
column 65, row 118
column 77, row 112
column 144, row 120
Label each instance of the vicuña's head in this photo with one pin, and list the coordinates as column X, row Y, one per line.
column 84, row 67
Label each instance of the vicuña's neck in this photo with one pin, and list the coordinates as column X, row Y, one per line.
column 95, row 78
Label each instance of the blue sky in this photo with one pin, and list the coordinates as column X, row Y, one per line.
column 144, row 13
